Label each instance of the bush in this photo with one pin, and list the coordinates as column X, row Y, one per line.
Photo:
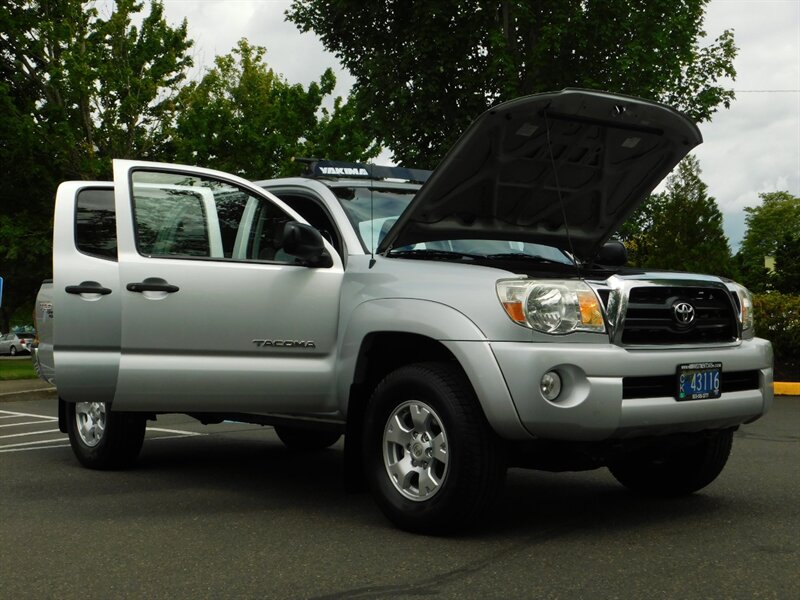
column 777, row 318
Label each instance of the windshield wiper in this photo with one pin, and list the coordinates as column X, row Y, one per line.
column 434, row 254
column 524, row 256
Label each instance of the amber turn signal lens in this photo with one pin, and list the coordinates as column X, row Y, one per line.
column 590, row 309
column 515, row 311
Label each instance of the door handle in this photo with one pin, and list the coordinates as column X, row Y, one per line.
column 88, row 287
column 152, row 286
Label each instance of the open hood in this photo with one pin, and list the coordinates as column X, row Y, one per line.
column 596, row 154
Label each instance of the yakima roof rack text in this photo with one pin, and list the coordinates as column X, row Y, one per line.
column 316, row 168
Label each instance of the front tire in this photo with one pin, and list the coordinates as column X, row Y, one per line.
column 102, row 438
column 675, row 471
column 432, row 462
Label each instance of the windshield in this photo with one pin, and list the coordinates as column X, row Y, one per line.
column 373, row 212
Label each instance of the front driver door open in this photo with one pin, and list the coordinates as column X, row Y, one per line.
column 215, row 316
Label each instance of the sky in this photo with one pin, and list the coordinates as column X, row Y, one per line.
column 752, row 147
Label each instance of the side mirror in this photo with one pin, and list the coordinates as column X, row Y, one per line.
column 305, row 242
column 612, row 254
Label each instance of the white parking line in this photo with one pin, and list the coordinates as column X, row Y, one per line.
column 10, row 435
column 28, row 423
column 48, row 444
column 19, row 414
column 53, row 441
column 177, row 431
column 39, row 444
column 168, row 437
column 36, row 448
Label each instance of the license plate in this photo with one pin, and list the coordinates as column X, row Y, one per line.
column 699, row 381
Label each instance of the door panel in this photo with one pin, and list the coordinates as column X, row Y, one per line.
column 86, row 295
column 219, row 323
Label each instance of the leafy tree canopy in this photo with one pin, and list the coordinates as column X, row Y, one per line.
column 776, row 222
column 425, row 70
column 78, row 89
column 787, row 265
column 244, row 118
column 75, row 90
column 92, row 88
column 679, row 229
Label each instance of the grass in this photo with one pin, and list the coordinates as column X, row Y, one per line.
column 16, row 369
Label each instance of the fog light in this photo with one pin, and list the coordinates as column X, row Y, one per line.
column 550, row 385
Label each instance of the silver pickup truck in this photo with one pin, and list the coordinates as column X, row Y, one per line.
column 449, row 324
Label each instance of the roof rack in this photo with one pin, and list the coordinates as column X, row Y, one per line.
column 335, row 169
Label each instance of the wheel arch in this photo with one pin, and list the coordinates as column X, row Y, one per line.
column 387, row 334
column 392, row 332
column 380, row 353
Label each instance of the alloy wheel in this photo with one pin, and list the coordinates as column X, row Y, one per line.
column 90, row 418
column 415, row 450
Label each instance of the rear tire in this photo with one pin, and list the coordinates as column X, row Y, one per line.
column 13, row 351
column 431, row 460
column 306, row 440
column 675, row 471
column 102, row 438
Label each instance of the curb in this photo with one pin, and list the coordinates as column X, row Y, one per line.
column 786, row 388
column 48, row 392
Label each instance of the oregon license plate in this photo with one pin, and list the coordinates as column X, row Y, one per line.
column 698, row 381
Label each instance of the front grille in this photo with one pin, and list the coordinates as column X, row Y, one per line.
column 650, row 318
column 667, row 385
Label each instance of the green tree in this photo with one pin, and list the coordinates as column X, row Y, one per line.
column 75, row 90
column 425, row 70
column 635, row 231
column 680, row 228
column 768, row 225
column 244, row 118
column 787, row 264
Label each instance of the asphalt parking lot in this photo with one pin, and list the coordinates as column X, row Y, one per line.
column 226, row 511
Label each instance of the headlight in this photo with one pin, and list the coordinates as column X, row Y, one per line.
column 551, row 306
column 745, row 307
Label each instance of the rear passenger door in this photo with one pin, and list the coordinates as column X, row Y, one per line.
column 86, row 293
column 216, row 317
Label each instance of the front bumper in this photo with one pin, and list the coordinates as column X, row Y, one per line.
column 591, row 405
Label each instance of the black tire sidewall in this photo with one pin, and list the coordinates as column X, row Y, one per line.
column 118, row 448
column 437, row 386
column 687, row 470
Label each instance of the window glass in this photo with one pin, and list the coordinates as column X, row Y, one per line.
column 187, row 216
column 171, row 223
column 95, row 223
column 374, row 212
column 263, row 243
column 313, row 212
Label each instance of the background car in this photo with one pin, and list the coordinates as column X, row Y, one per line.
column 16, row 343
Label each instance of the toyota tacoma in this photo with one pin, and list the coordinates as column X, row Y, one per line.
column 450, row 324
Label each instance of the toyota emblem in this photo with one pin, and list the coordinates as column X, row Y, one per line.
column 684, row 313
